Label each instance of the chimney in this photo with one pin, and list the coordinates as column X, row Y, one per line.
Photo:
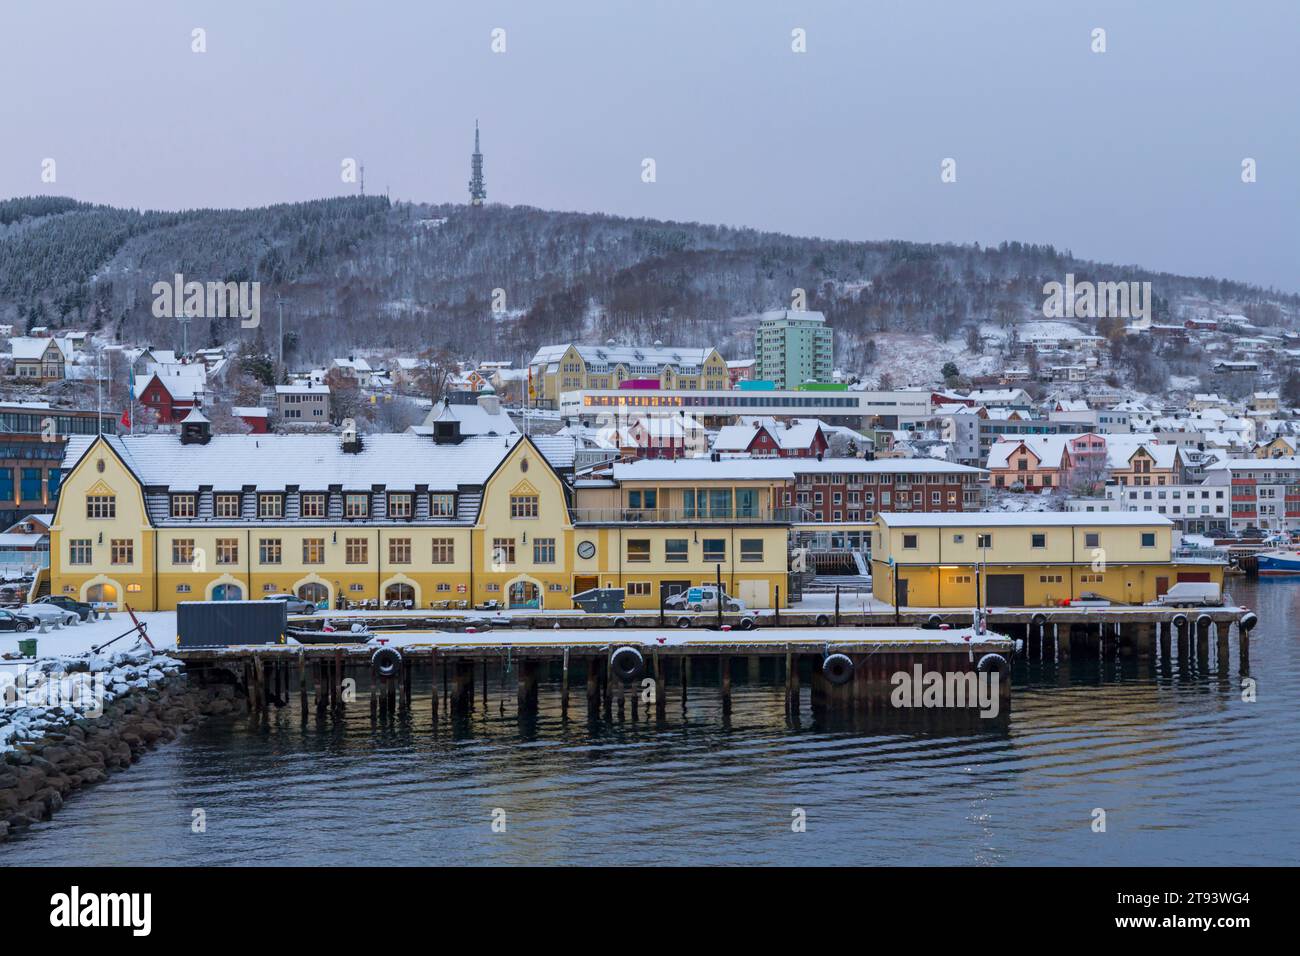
column 351, row 438
column 490, row 403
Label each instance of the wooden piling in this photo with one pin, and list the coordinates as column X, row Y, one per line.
column 433, row 685
column 527, row 687
column 661, row 697
column 338, row 679
column 724, row 663
column 564, row 687
column 462, row 701
column 794, row 687
column 607, row 689
column 302, row 685
column 593, row 687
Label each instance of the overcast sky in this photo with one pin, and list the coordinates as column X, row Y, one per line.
column 1130, row 156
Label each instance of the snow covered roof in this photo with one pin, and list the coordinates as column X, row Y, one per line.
column 777, row 315
column 1048, row 449
column 1020, row 519
column 777, row 469
column 303, row 388
column 474, row 419
column 312, row 462
column 635, row 357
column 182, row 381
column 31, row 348
column 248, row 411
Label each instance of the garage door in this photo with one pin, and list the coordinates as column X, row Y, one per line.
column 753, row 593
column 1194, row 576
column 1006, row 590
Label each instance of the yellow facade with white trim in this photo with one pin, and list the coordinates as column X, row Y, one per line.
column 208, row 560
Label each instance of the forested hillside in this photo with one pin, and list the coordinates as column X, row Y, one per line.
column 363, row 272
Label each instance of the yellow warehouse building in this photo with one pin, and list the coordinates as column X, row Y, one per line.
column 154, row 520
column 1032, row 559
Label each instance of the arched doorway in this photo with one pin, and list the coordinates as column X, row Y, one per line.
column 315, row 592
column 525, row 594
column 400, row 591
column 101, row 594
column 227, row 592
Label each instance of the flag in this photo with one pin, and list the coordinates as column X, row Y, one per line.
column 126, row 418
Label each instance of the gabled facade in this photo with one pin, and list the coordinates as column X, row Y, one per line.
column 39, row 360
column 153, row 520
column 556, row 369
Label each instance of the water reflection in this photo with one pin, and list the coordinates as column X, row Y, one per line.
column 1187, row 771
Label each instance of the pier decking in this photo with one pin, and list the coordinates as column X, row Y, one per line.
column 644, row 652
column 847, row 669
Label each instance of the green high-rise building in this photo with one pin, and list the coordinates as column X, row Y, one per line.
column 792, row 347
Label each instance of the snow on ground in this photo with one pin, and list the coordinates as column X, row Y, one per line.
column 1023, row 502
column 161, row 626
column 912, row 359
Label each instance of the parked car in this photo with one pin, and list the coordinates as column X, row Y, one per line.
column 68, row 604
column 294, row 605
column 1089, row 599
column 705, row 598
column 11, row 621
column 50, row 614
column 1192, row 594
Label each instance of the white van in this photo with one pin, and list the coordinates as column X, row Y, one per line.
column 1192, row 594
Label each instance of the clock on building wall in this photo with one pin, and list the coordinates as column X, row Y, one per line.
column 586, row 549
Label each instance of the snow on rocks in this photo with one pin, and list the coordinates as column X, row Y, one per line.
column 68, row 721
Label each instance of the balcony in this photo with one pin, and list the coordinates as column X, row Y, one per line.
column 687, row 516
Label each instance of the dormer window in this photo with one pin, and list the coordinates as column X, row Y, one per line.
column 399, row 506
column 442, row 506
column 356, row 506
column 184, row 506
column 313, row 505
column 226, row 505
column 270, row 506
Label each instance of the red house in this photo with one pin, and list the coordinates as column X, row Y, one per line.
column 767, row 438
column 156, row 397
column 255, row 417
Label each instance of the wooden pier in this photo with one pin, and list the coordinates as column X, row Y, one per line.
column 845, row 670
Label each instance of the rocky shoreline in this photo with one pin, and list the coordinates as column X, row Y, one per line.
column 101, row 715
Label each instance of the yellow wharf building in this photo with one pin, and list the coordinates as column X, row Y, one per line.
column 425, row 516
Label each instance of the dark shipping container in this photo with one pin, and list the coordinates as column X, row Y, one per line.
column 230, row 623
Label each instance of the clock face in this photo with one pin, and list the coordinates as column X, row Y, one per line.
column 586, row 549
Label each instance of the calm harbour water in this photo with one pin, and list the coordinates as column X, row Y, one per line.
column 1187, row 773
